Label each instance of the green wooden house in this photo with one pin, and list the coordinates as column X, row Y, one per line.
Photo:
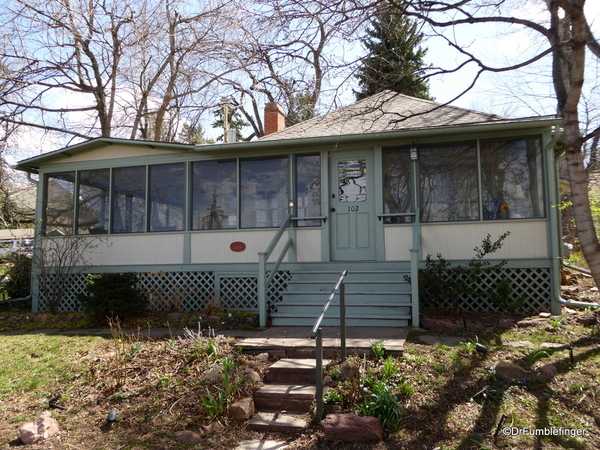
column 268, row 225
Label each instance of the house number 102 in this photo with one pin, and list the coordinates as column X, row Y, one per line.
column 352, row 208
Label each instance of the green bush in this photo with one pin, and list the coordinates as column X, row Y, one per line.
column 113, row 295
column 16, row 281
column 381, row 403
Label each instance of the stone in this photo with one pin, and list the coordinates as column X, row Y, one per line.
column 545, row 315
column 528, row 323
column 587, row 320
column 327, row 380
column 439, row 325
column 506, row 324
column 213, row 375
column 188, row 437
column 332, row 409
column 42, row 428
column 511, row 371
column 349, row 369
column 520, row 344
column 251, row 376
column 242, row 409
column 449, row 341
column 553, row 345
column 40, row 318
column 262, row 357
column 213, row 427
column 352, row 428
column 548, row 371
column 176, row 316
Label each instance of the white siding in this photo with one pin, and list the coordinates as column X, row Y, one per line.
column 398, row 241
column 213, row 247
column 136, row 250
column 308, row 245
column 527, row 239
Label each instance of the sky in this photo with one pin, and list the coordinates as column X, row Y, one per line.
column 513, row 94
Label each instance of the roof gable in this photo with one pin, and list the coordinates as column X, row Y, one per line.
column 384, row 112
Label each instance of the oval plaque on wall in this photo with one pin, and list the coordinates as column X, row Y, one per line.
column 237, row 246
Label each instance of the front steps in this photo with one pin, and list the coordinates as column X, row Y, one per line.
column 375, row 297
column 289, row 395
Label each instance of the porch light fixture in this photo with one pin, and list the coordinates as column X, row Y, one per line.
column 291, row 204
column 414, row 152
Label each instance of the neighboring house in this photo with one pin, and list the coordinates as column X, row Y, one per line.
column 373, row 188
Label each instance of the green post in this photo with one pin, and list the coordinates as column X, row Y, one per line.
column 262, row 288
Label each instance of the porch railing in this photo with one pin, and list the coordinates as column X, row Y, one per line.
column 317, row 333
column 264, row 278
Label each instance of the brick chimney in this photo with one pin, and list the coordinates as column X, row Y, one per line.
column 274, row 118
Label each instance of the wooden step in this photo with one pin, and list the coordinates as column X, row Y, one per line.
column 276, row 422
column 293, row 371
column 285, row 397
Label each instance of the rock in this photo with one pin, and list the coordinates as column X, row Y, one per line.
column 553, row 345
column 520, row 344
column 548, row 371
column 213, row 427
column 213, row 375
column 439, row 325
column 349, row 369
column 528, row 323
column 507, row 324
column 176, row 316
column 587, row 320
column 332, row 409
column 41, row 318
column 262, row 357
column 352, row 428
column 421, row 414
column 187, row 437
column 506, row 369
column 545, row 315
column 42, row 428
column 242, row 409
column 450, row 341
column 251, row 376
column 327, row 380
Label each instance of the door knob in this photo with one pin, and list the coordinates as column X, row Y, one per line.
column 332, row 210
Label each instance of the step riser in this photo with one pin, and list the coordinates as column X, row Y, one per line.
column 291, row 378
column 332, row 278
column 318, row 297
column 282, row 404
column 351, row 310
column 303, row 286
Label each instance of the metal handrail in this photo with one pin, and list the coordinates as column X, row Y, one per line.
column 317, row 333
column 265, row 279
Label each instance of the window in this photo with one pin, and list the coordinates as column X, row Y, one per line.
column 59, row 204
column 167, row 197
column 93, row 201
column 214, row 195
column 449, row 185
column 129, row 200
column 397, row 185
column 512, row 179
column 263, row 192
column 308, row 189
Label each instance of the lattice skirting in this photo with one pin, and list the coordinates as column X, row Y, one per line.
column 187, row 291
column 532, row 284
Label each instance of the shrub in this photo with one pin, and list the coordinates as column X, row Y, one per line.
column 381, row 403
column 16, row 281
column 113, row 295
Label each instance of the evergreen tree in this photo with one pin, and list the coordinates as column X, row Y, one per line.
column 395, row 58
column 235, row 120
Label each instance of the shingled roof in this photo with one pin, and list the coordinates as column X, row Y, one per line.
column 384, row 112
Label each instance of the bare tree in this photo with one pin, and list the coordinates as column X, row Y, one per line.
column 88, row 68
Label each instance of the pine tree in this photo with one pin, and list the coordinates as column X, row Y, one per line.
column 395, row 58
column 235, row 120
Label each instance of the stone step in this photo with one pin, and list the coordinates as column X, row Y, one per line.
column 285, row 397
column 276, row 422
column 293, row 371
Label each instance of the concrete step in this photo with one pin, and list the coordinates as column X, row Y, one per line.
column 285, row 397
column 276, row 422
column 293, row 371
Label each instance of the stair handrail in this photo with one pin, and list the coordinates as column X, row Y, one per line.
column 265, row 279
column 317, row 333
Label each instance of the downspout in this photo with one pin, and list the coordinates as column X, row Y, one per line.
column 573, row 304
